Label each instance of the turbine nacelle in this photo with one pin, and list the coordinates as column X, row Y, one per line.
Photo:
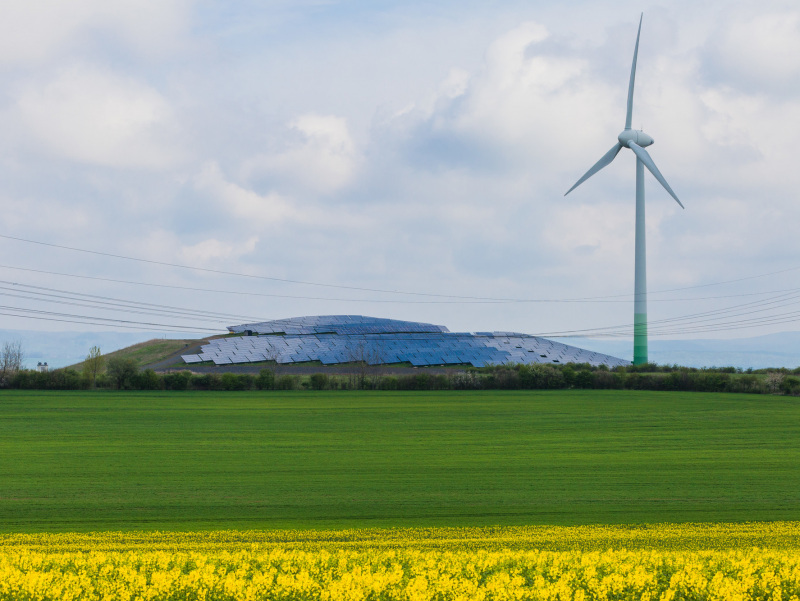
column 637, row 137
column 636, row 142
column 630, row 138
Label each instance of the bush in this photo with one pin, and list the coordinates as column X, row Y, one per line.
column 569, row 376
column 746, row 383
column 231, row 381
column 440, row 382
column 206, row 382
column 791, row 385
column 121, row 371
column 320, row 381
column 59, row 379
column 643, row 368
column 388, row 383
column 468, row 380
column 177, row 381
column 679, row 380
column 147, row 380
column 419, row 381
column 265, row 379
column 604, row 379
column 540, row 376
column 286, row 382
column 774, row 381
column 584, row 379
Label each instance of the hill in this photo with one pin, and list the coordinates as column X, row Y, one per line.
column 158, row 353
column 771, row 350
column 61, row 349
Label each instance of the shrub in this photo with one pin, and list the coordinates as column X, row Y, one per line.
column 320, row 381
column 746, row 383
column 59, row 379
column 177, row 381
column 286, row 382
column 773, row 381
column 146, row 380
column 121, row 370
column 265, row 379
column 468, row 380
column 540, row 376
column 231, row 381
column 206, row 382
column 604, row 379
column 388, row 383
column 584, row 379
column 791, row 385
column 439, row 382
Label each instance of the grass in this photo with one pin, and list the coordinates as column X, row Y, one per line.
column 187, row 461
column 151, row 351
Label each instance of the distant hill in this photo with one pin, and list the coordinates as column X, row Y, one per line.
column 771, row 350
column 60, row 349
column 153, row 352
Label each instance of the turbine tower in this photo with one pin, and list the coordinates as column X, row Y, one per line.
column 636, row 141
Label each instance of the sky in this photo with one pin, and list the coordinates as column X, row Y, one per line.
column 396, row 159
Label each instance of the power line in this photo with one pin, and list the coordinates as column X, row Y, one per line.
column 91, row 306
column 713, row 320
column 375, row 290
column 597, row 299
column 240, row 292
column 694, row 320
column 232, row 273
column 91, row 320
column 111, row 303
column 663, row 326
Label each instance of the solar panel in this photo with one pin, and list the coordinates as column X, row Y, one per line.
column 346, row 338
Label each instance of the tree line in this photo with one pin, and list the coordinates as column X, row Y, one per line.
column 119, row 373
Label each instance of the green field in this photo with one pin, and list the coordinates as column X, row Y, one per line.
column 117, row 461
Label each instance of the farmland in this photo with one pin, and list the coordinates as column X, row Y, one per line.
column 204, row 461
column 689, row 561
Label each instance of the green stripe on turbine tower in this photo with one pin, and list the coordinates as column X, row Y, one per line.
column 639, row 338
column 637, row 141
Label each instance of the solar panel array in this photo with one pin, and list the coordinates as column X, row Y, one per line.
column 336, row 324
column 354, row 338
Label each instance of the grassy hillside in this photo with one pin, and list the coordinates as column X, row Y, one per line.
column 152, row 351
column 87, row 461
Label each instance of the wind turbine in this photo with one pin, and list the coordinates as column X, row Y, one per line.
column 636, row 141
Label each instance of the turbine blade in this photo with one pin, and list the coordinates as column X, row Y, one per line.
column 605, row 160
column 629, row 116
column 644, row 157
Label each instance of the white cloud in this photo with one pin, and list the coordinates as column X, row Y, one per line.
column 291, row 137
column 245, row 204
column 212, row 249
column 322, row 158
column 49, row 214
column 98, row 117
column 524, row 106
column 505, row 58
column 35, row 30
column 600, row 230
column 164, row 245
column 758, row 48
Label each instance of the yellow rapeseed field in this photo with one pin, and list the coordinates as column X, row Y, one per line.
column 669, row 561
